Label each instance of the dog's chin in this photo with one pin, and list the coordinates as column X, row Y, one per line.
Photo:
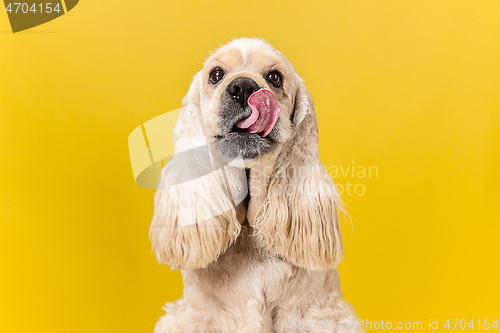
column 245, row 145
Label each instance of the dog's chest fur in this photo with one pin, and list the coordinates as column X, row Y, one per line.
column 254, row 287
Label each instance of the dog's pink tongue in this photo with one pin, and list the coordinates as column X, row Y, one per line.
column 265, row 112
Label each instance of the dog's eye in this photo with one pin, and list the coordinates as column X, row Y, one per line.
column 274, row 78
column 216, row 75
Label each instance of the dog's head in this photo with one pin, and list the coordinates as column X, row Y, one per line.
column 237, row 74
column 247, row 102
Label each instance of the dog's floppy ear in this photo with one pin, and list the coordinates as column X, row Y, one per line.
column 299, row 218
column 194, row 217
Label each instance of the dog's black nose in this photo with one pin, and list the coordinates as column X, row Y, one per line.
column 240, row 89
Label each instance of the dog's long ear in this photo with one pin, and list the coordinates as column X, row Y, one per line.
column 299, row 218
column 194, row 217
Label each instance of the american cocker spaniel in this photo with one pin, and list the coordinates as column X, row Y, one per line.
column 245, row 208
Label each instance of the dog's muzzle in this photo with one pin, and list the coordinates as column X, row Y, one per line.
column 248, row 116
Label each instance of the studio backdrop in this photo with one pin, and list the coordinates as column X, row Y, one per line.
column 407, row 96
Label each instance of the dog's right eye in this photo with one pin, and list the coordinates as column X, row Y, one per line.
column 216, row 75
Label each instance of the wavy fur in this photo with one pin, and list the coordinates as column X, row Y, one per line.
column 194, row 221
column 299, row 217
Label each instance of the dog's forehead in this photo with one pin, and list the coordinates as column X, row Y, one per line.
column 246, row 56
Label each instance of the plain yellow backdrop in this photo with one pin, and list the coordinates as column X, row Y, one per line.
column 411, row 87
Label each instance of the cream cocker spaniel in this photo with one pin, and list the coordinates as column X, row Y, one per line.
column 245, row 208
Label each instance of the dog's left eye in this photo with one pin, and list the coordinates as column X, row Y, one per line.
column 274, row 77
column 216, row 75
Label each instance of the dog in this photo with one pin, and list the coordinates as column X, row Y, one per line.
column 245, row 208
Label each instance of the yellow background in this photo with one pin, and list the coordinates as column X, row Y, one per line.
column 412, row 87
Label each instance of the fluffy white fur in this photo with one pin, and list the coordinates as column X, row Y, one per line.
column 269, row 261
